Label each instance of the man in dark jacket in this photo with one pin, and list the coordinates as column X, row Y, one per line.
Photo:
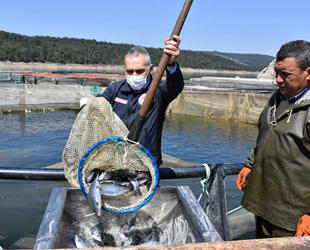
column 277, row 172
column 126, row 97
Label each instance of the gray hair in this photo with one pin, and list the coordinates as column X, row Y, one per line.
column 299, row 49
column 136, row 51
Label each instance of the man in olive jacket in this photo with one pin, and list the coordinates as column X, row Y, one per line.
column 276, row 175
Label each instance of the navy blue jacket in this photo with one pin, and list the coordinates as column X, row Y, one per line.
column 126, row 103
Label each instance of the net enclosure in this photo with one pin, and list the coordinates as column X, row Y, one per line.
column 97, row 142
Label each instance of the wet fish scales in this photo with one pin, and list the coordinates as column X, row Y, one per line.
column 135, row 235
column 96, row 233
column 110, row 189
column 135, row 184
column 95, row 197
column 143, row 174
column 125, row 174
column 89, row 176
column 78, row 241
column 105, row 175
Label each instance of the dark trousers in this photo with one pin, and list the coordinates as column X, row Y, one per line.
column 264, row 229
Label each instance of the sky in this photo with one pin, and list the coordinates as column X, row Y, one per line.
column 234, row 26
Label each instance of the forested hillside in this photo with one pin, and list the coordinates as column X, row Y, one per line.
column 45, row 49
column 255, row 60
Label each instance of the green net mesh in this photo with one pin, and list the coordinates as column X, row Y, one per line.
column 97, row 121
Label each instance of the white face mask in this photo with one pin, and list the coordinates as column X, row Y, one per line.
column 137, row 82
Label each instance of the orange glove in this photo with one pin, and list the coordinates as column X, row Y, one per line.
column 303, row 226
column 242, row 179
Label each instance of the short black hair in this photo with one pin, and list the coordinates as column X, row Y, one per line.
column 299, row 49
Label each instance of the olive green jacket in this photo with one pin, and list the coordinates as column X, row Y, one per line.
column 279, row 184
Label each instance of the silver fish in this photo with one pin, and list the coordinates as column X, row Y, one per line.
column 125, row 184
column 150, row 234
column 105, row 175
column 112, row 189
column 147, row 234
column 155, row 234
column 143, row 181
column 156, row 229
column 89, row 176
column 79, row 242
column 135, row 184
column 125, row 174
column 132, row 221
column 135, row 235
column 95, row 197
column 96, row 233
column 143, row 174
column 117, row 182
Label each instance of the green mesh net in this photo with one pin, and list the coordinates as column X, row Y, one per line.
column 94, row 144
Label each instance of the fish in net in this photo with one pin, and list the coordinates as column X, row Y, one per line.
column 97, row 144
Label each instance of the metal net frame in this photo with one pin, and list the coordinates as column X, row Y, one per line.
column 115, row 153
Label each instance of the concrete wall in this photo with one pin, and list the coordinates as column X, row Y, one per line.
column 236, row 105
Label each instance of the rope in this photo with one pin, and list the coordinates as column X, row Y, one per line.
column 233, row 210
column 29, row 92
column 273, row 109
column 132, row 142
column 81, row 91
column 204, row 183
column 289, row 116
column 113, row 120
column 189, row 104
column 95, row 90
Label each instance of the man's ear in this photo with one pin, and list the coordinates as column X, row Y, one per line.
column 308, row 73
column 151, row 68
